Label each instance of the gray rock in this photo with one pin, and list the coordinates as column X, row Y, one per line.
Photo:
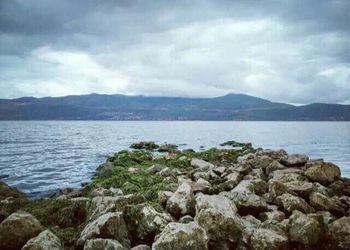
column 322, row 202
column 182, row 201
column 163, row 197
column 202, row 186
column 290, row 202
column 188, row 236
column 109, row 225
column 232, row 180
column 323, row 173
column 103, row 244
column 201, row 164
column 275, row 165
column 100, row 191
column 339, row 233
column 295, row 160
column 266, row 239
column 186, row 219
column 288, row 175
column 46, row 240
column 273, row 216
column 17, row 229
column 304, row 229
column 301, row 188
column 141, row 247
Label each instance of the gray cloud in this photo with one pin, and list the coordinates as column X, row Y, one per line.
column 293, row 51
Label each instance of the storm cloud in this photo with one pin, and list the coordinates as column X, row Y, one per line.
column 293, row 51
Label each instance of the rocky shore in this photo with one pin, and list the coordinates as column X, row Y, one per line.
column 158, row 197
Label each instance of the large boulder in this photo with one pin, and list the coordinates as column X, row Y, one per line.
column 17, row 229
column 188, row 236
column 145, row 222
column 109, row 225
column 45, row 240
column 290, row 202
column 301, row 188
column 323, row 173
column 339, row 233
column 217, row 215
column 295, row 160
column 102, row 244
column 304, row 229
column 288, row 174
column 267, row 239
column 322, row 202
column 182, row 201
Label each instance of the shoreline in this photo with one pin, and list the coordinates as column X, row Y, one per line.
column 219, row 198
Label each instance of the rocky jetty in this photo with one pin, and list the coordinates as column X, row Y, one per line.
column 159, row 197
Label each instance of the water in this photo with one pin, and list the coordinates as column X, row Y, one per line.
column 40, row 157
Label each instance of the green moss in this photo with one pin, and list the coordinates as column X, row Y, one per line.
column 68, row 235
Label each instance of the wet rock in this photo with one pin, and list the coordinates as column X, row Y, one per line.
column 182, row 236
column 167, row 148
column 145, row 222
column 217, row 215
column 322, row 202
column 182, row 201
column 295, row 160
column 268, row 239
column 323, row 173
column 290, row 202
column 17, row 229
column 102, row 244
column 304, row 229
column 109, row 225
column 45, row 240
column 339, row 233
column 201, row 164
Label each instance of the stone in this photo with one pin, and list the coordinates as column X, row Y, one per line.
column 261, row 161
column 336, row 188
column 105, row 169
column 288, row 175
column 201, row 164
column 188, row 236
column 256, row 186
column 109, row 225
column 145, row 222
column 272, row 216
column 217, row 215
column 275, row 165
column 219, row 170
column 44, row 241
column 276, row 188
column 290, row 202
column 102, row 244
column 339, row 233
column 100, row 191
column 301, row 188
column 133, row 170
column 17, row 229
column 322, row 202
column 163, row 197
column 232, row 180
column 267, row 239
column 323, row 173
column 202, row 186
column 304, row 229
column 256, row 173
column 186, row 219
column 166, row 172
column 147, row 145
column 182, row 201
column 155, row 168
column 295, row 160
column 141, row 247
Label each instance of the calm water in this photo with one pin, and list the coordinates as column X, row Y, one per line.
column 42, row 156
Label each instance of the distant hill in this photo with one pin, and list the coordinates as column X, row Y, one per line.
column 121, row 107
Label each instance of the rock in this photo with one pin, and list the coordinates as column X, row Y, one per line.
column 100, row 191
column 256, row 173
column 268, row 239
column 275, row 154
column 256, row 186
column 273, row 216
column 202, row 186
column 163, row 197
column 45, row 240
column 322, row 202
column 288, row 175
column 166, row 172
column 145, row 222
column 217, row 215
column 275, row 165
column 290, row 202
column 167, row 148
column 295, row 160
column 201, row 164
column 219, row 170
column 317, row 187
column 155, row 168
column 243, row 168
column 188, row 236
column 232, row 180
column 103, row 204
column 323, row 173
column 147, row 145
column 336, row 188
column 186, row 219
column 17, row 229
column 105, row 169
column 141, row 247
column 301, row 188
column 182, row 201
column 109, row 225
column 304, row 229
column 11, row 200
column 261, row 161
column 339, row 233
column 276, row 188
column 133, row 170
column 102, row 244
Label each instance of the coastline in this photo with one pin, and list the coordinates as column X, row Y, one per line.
column 161, row 197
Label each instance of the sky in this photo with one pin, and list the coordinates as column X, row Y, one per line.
column 293, row 51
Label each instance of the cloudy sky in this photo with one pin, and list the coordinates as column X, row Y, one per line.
column 294, row 51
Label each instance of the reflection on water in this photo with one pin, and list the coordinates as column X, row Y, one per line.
column 42, row 156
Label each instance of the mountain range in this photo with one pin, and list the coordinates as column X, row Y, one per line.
column 237, row 107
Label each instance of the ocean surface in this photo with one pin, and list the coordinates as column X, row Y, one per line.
column 42, row 156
